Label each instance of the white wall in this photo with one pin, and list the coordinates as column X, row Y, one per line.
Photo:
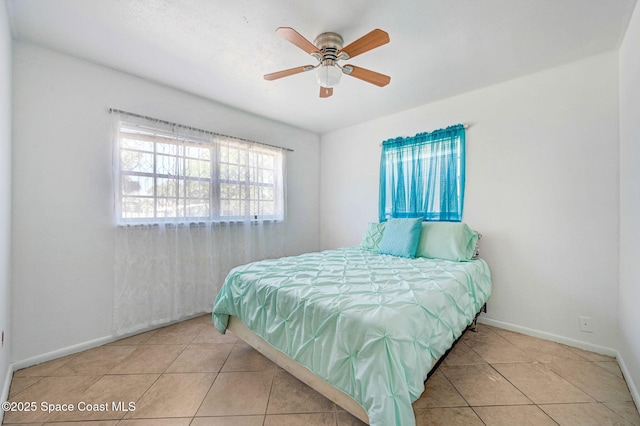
column 630, row 200
column 542, row 186
column 63, row 237
column 5, row 194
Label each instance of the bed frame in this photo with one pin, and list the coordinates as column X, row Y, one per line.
column 303, row 374
column 237, row 327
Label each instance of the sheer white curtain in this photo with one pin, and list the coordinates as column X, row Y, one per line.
column 189, row 206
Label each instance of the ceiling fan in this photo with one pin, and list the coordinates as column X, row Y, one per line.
column 328, row 49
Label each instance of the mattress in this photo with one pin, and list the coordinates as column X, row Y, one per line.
column 371, row 325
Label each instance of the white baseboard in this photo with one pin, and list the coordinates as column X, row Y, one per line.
column 5, row 388
column 549, row 336
column 574, row 343
column 58, row 353
column 632, row 386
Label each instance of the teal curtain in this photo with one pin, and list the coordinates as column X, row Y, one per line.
column 423, row 176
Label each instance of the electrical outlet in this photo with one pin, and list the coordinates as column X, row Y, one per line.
column 586, row 324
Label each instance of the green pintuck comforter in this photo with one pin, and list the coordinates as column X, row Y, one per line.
column 371, row 325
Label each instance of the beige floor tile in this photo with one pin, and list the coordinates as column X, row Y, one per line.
column 521, row 415
column 173, row 395
column 346, row 419
column 238, row 393
column 539, row 349
column 49, row 390
column 593, row 380
column 203, row 358
column 249, row 383
column 457, row 416
column 496, row 351
column 439, row 392
column 45, row 368
column 611, row 367
column 228, row 421
column 96, row 361
column 315, row 419
column 109, row 398
column 137, row 339
column 244, row 358
column 23, row 424
column 290, row 395
column 87, row 423
column 462, row 354
column 209, row 334
column 156, row 422
column 18, row 384
column 590, row 356
column 591, row 414
column 148, row 359
column 484, row 333
column 177, row 334
column 205, row 319
column 482, row 385
column 626, row 410
column 540, row 384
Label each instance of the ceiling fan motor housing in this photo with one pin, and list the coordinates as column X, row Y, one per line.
column 329, row 45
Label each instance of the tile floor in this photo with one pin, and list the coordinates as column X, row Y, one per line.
column 189, row 374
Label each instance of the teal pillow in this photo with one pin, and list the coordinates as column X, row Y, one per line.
column 447, row 240
column 372, row 237
column 401, row 237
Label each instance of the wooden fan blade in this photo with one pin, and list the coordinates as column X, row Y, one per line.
column 286, row 73
column 325, row 92
column 294, row 37
column 367, row 75
column 375, row 38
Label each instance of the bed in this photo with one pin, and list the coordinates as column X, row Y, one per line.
column 362, row 328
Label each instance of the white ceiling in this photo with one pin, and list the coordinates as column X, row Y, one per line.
column 220, row 49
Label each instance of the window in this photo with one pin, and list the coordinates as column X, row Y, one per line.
column 169, row 173
column 423, row 176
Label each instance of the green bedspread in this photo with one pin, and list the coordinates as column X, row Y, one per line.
column 371, row 325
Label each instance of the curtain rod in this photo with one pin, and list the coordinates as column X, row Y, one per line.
column 464, row 125
column 112, row 110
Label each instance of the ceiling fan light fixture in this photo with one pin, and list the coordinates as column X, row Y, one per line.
column 328, row 75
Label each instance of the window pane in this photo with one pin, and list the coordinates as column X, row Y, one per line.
column 137, row 207
column 137, row 185
column 266, row 193
column 197, row 208
column 168, row 165
column 224, row 172
column 224, row 154
column 198, row 152
column 126, row 142
column 234, row 156
column 135, row 161
column 167, row 207
column 197, row 168
column 266, row 208
column 197, row 189
column 167, row 148
column 234, row 173
column 267, row 161
column 230, row 207
column 166, row 187
column 266, row 176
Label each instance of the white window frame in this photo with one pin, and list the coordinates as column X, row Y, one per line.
column 262, row 184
